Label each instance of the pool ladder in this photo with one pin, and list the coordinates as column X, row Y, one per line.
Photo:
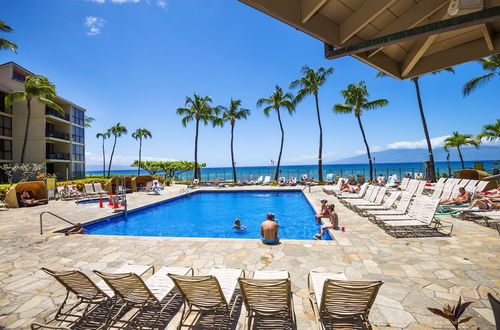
column 54, row 215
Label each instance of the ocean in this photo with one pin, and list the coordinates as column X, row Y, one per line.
column 253, row 172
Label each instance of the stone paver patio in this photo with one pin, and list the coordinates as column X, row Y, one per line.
column 417, row 272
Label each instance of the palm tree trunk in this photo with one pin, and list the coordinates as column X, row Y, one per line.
column 196, row 150
column 461, row 158
column 232, row 153
column 103, row 159
column 140, row 150
column 320, row 152
column 367, row 147
column 111, row 158
column 432, row 170
column 26, row 133
column 448, row 162
column 281, row 146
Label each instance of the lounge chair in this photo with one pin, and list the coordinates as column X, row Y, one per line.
column 345, row 199
column 388, row 204
column 404, row 183
column 481, row 185
column 63, row 193
column 89, row 189
column 375, row 198
column 259, row 180
column 267, row 180
column 293, row 181
column 268, row 298
column 362, row 192
column 338, row 303
column 73, row 191
column 282, row 181
column 98, row 189
column 329, row 178
column 146, row 296
column 401, row 208
column 208, row 293
column 420, row 188
column 495, row 307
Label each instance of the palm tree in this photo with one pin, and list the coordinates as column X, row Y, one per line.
column 355, row 102
column 432, row 170
column 35, row 88
column 87, row 121
column 116, row 131
column 490, row 132
column 139, row 134
column 197, row 108
column 4, row 43
column 275, row 101
column 491, row 64
column 309, row 85
column 459, row 140
column 231, row 115
column 104, row 136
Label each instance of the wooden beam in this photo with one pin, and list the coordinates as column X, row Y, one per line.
column 488, row 37
column 381, row 62
column 362, row 17
column 411, row 18
column 310, row 8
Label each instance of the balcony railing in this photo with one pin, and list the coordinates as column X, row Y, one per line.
column 55, row 113
column 58, row 155
column 57, row 134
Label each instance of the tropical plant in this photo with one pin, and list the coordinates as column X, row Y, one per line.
column 139, row 134
column 309, row 84
column 170, row 168
column 453, row 313
column 117, row 131
column 491, row 64
column 4, row 43
column 277, row 100
column 490, row 132
column 104, row 136
column 87, row 121
column 356, row 100
column 415, row 80
column 231, row 115
column 198, row 108
column 35, row 88
column 24, row 171
column 458, row 140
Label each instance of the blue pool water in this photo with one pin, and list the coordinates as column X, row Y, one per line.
column 212, row 214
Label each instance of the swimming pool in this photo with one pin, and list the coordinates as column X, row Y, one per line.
column 212, row 214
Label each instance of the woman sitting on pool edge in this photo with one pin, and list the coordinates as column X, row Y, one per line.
column 269, row 230
column 334, row 222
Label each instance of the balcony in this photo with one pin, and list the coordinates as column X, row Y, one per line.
column 58, row 155
column 52, row 112
column 57, row 134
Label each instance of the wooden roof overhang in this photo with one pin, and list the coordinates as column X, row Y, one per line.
column 403, row 38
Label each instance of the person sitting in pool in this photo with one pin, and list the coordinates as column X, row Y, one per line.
column 463, row 197
column 25, row 199
column 334, row 222
column 269, row 230
column 323, row 213
column 77, row 229
column 238, row 225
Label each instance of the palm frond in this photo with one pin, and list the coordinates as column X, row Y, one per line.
column 267, row 110
column 474, row 83
column 381, row 74
column 52, row 104
column 342, row 108
column 375, row 104
column 491, row 63
column 4, row 27
column 13, row 97
column 8, row 45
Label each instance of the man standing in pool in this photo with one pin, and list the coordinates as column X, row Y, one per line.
column 269, row 230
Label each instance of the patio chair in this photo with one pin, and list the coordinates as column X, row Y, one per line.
column 89, row 189
column 401, row 208
column 362, row 192
column 267, row 180
column 338, row 303
column 404, row 183
column 259, row 180
column 376, row 198
column 98, row 189
column 211, row 293
column 481, row 185
column 329, row 178
column 63, row 193
column 420, row 188
column 268, row 299
column 73, row 191
column 146, row 297
column 495, row 307
column 370, row 190
column 388, row 204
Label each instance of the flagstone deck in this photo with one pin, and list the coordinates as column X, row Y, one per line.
column 417, row 273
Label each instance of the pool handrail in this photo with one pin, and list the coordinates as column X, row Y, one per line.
column 54, row 215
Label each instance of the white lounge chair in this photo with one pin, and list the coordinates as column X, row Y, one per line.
column 98, row 188
column 259, row 180
column 377, row 201
column 388, row 204
column 345, row 199
column 267, row 180
column 362, row 192
column 89, row 189
column 401, row 208
column 370, row 200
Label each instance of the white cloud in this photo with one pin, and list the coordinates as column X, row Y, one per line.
column 421, row 144
column 94, row 159
column 161, row 3
column 98, row 1
column 94, row 24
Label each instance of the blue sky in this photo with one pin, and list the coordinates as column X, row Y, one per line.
column 134, row 61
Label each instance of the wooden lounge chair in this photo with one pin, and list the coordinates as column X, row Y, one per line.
column 211, row 293
column 147, row 297
column 337, row 302
column 388, row 204
column 268, row 300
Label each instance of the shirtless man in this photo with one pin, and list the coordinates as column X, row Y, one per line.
column 323, row 213
column 334, row 222
column 463, row 197
column 269, row 230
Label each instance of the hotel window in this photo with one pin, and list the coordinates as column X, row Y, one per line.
column 17, row 76
column 78, row 134
column 5, row 126
column 78, row 170
column 77, row 116
column 6, row 149
column 78, row 153
column 3, row 108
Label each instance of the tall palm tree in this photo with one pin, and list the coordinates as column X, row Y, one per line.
column 278, row 99
column 117, row 131
column 356, row 100
column 104, row 136
column 139, row 134
column 460, row 140
column 415, row 80
column 491, row 64
column 35, row 88
column 309, row 84
column 490, row 132
column 448, row 160
column 4, row 43
column 231, row 115
column 197, row 108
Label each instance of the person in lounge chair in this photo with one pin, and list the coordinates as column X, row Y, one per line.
column 293, row 181
column 485, row 204
column 463, row 197
column 323, row 213
column 269, row 230
column 25, row 199
column 334, row 222
column 77, row 229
